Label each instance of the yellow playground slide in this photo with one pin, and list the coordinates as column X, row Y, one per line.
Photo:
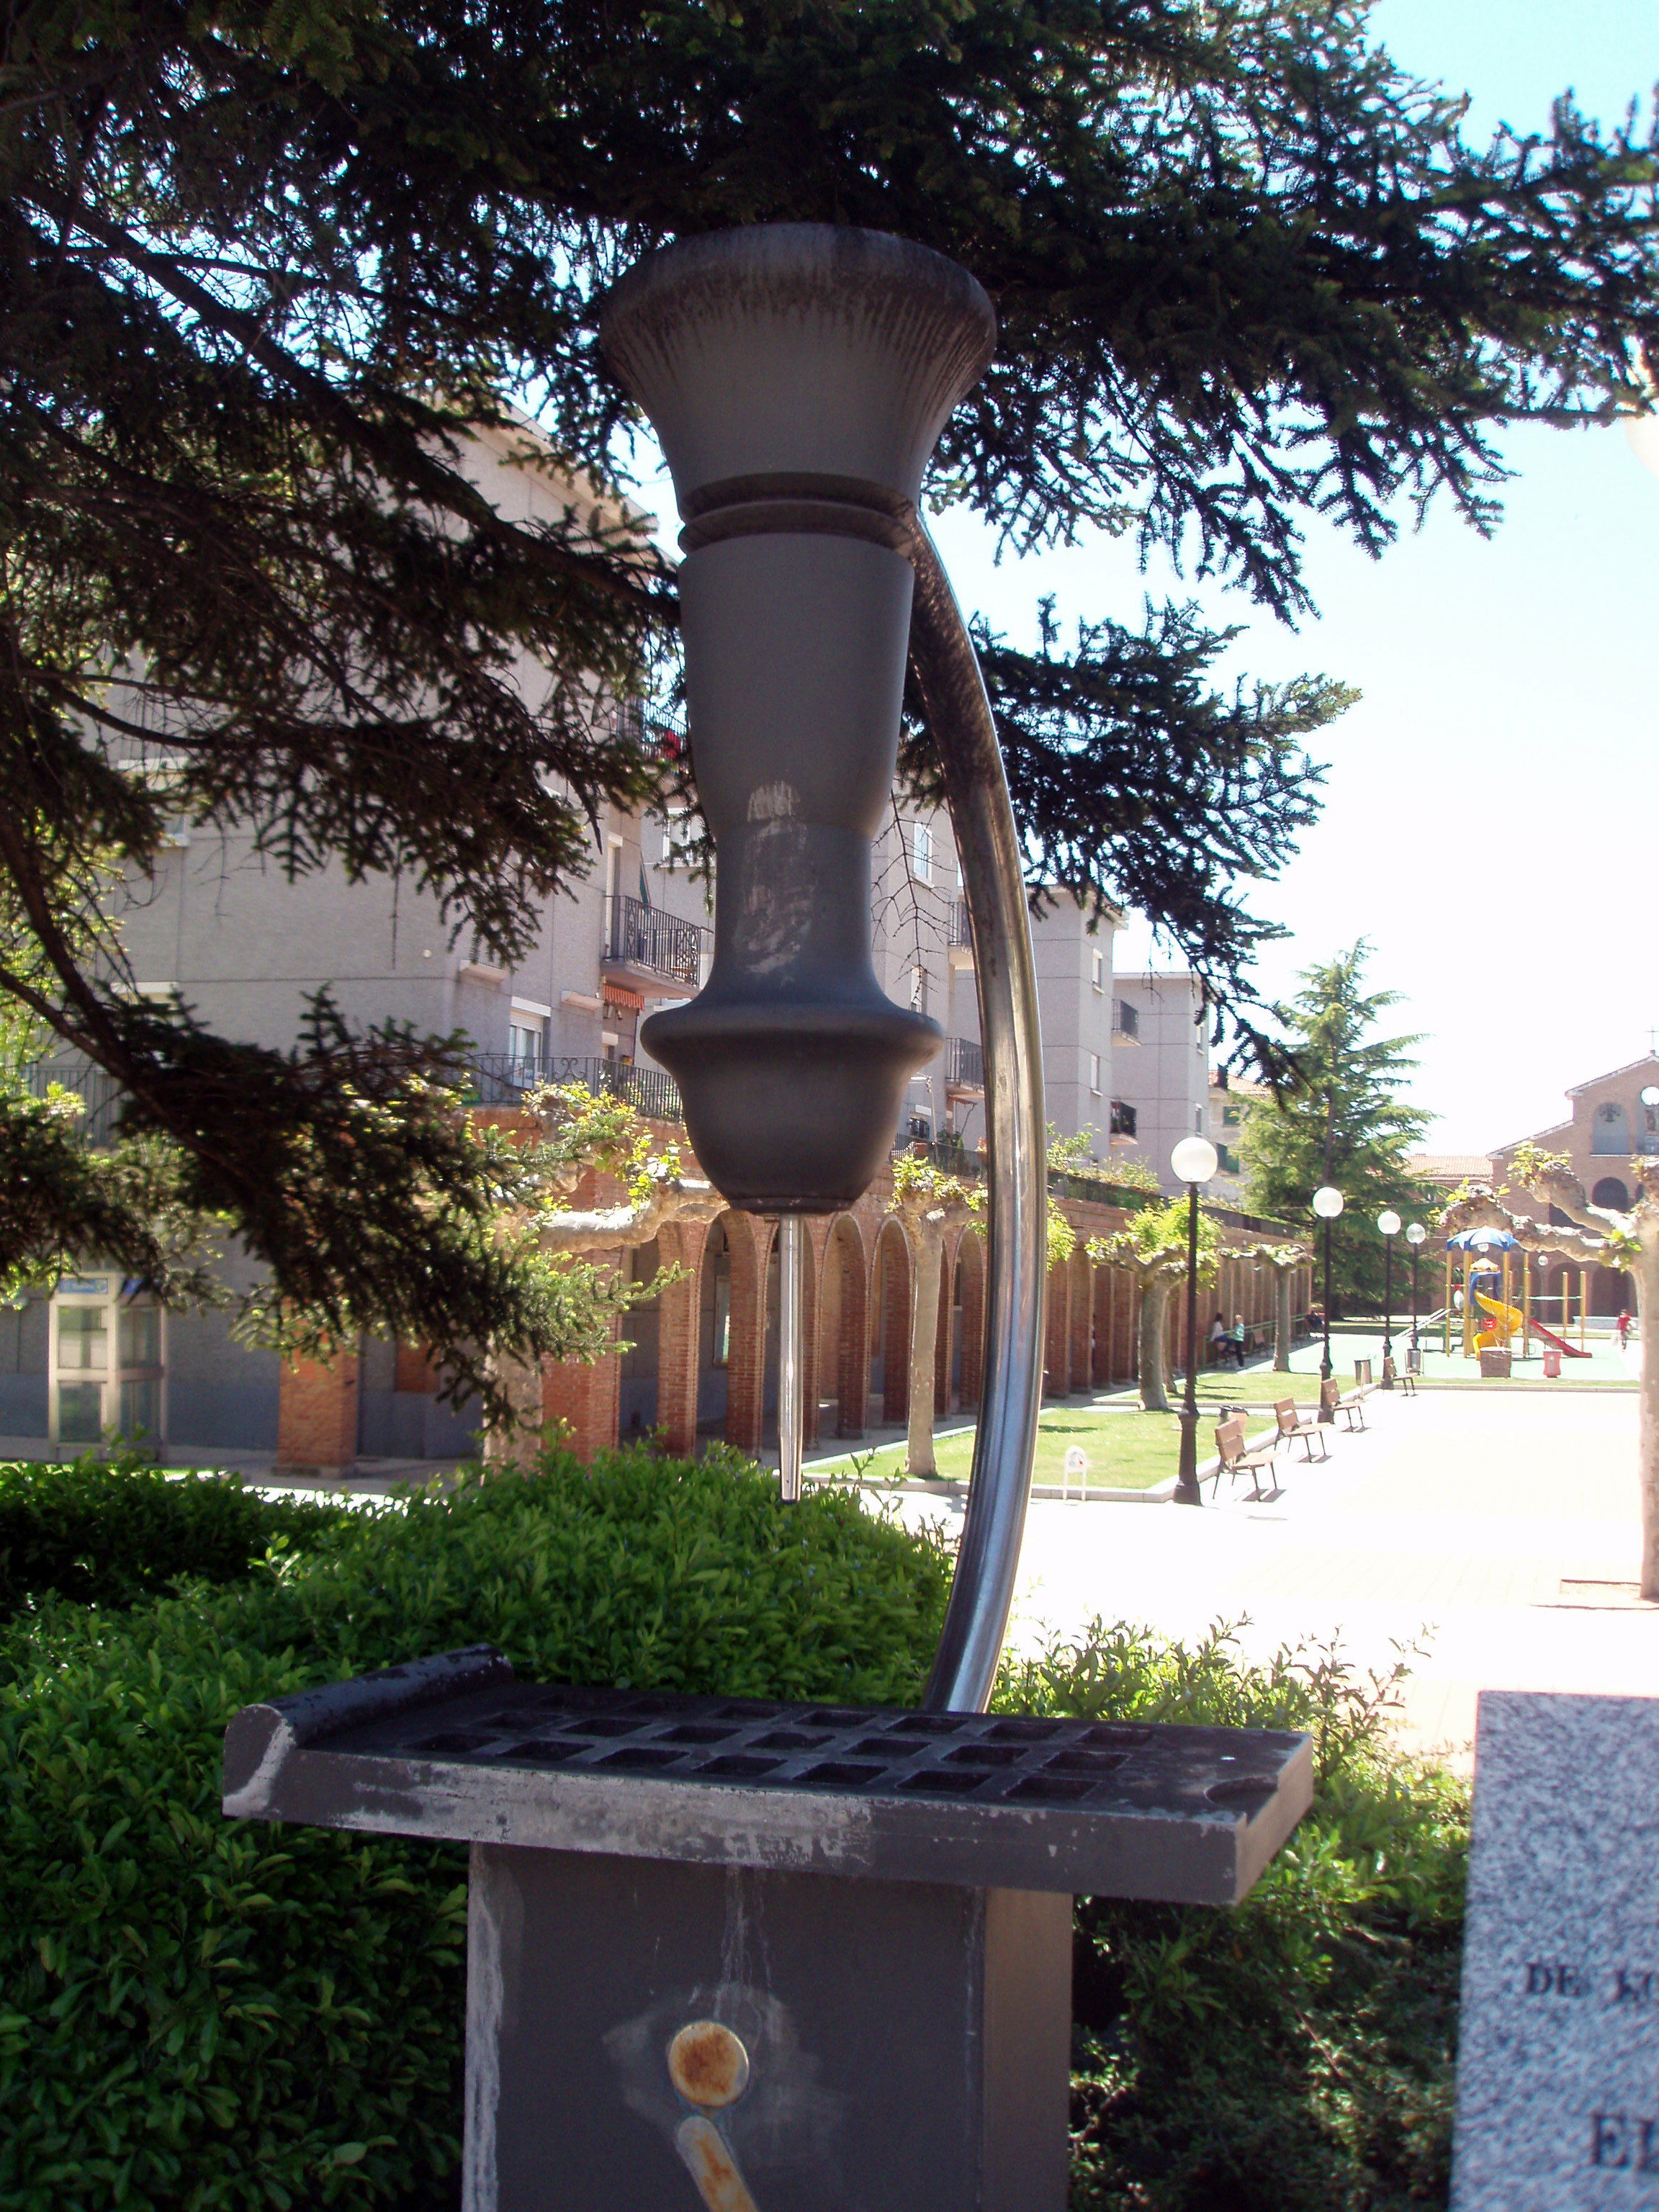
column 1505, row 1324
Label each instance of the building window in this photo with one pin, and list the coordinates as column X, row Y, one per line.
column 1610, row 1130
column 921, row 851
column 1097, row 968
column 1094, row 1073
column 1123, row 1118
column 524, row 1041
column 1125, row 1018
column 106, row 1361
column 677, row 837
column 1610, row 1192
column 918, row 990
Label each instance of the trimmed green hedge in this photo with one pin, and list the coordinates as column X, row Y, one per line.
column 1296, row 2054
column 114, row 1532
column 197, row 2014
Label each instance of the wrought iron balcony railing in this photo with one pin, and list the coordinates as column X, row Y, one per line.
column 956, row 931
column 641, row 936
column 964, row 1064
column 502, row 1078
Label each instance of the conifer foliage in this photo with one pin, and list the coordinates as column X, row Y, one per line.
column 263, row 267
column 1342, row 1118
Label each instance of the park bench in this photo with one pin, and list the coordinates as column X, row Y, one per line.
column 1405, row 1382
column 1233, row 1459
column 1332, row 1401
column 1291, row 1426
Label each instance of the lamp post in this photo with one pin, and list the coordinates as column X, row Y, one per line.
column 1326, row 1204
column 1388, row 1223
column 1194, row 1162
column 1416, row 1236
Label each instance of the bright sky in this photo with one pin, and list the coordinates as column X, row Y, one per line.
column 1490, row 804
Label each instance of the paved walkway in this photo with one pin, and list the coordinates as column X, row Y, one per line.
column 1456, row 1518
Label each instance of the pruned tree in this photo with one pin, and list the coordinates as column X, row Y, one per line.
column 1594, row 1237
column 1153, row 1250
column 1286, row 1263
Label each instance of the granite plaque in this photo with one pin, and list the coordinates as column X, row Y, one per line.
column 1558, row 2070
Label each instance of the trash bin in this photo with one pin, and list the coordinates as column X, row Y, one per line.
column 1552, row 1363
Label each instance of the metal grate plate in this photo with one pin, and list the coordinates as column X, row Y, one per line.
column 998, row 1800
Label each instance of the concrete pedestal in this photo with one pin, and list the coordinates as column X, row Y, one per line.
column 908, row 2044
column 767, row 1957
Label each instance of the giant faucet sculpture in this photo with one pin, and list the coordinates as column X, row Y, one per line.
column 798, row 377
column 736, row 1953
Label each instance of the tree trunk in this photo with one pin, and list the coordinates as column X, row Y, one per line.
column 1645, row 1275
column 1284, row 1284
column 1154, row 1311
column 925, row 1267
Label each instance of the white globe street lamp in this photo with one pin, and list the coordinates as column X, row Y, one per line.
column 1326, row 1204
column 1416, row 1236
column 1192, row 1162
column 1388, row 1223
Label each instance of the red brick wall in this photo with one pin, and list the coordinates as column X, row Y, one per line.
column 680, row 1310
column 1057, row 1337
column 893, row 1258
column 587, row 1400
column 1083, row 1316
column 972, row 1250
column 749, row 1241
column 847, row 1253
column 317, row 1414
column 942, row 1338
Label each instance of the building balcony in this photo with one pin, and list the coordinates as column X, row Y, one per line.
column 959, row 937
column 964, row 1068
column 660, row 954
column 501, row 1079
column 1124, row 1122
column 1126, row 1023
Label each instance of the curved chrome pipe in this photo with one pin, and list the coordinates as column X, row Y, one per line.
column 993, row 878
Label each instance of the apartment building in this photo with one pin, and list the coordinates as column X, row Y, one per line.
column 1161, row 1086
column 219, row 928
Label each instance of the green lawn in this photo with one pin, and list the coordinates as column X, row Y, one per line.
column 1256, row 1386
column 1129, row 1450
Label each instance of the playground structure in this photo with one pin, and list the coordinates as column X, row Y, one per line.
column 1491, row 1322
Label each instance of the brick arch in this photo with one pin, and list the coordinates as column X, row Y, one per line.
column 679, row 1310
column 1057, row 1334
column 748, row 1240
column 890, row 1271
column 970, row 1258
column 841, row 1333
column 1104, row 1369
